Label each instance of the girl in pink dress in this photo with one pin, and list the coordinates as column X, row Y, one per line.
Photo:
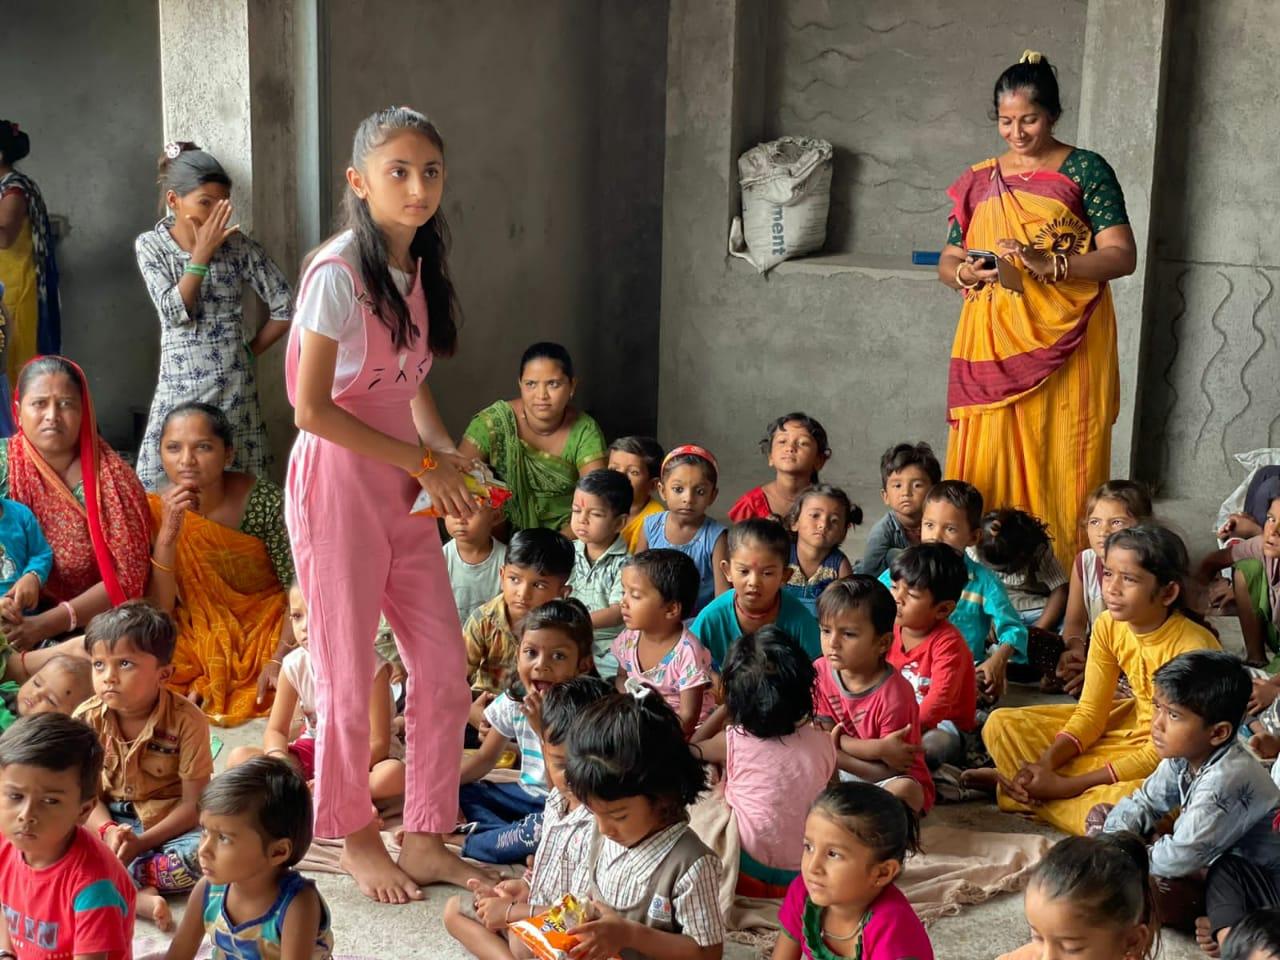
column 370, row 438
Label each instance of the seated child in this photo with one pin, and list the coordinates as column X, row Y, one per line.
column 855, row 841
column 61, row 685
column 1255, row 581
column 953, row 515
column 796, row 445
column 251, row 902
column 1114, row 506
column 64, row 893
column 819, row 521
column 1058, row 762
column 1257, row 937
column 1015, row 546
column 479, row 921
column 907, row 472
column 555, row 646
column 1224, row 800
column 157, row 756
column 759, row 564
column 474, row 558
column 600, row 505
column 659, row 588
column 629, row 765
column 775, row 760
column 876, row 720
column 929, row 651
column 639, row 459
column 25, row 559
column 689, row 476
column 295, row 693
column 1091, row 897
column 537, row 570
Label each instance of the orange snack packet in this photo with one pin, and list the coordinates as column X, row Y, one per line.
column 547, row 934
column 485, row 489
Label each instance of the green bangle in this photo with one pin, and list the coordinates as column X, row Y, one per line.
column 197, row 268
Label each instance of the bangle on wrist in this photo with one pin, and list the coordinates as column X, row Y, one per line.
column 199, row 269
column 103, row 828
column 160, row 566
column 965, row 286
column 71, row 615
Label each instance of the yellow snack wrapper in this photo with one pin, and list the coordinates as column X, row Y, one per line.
column 485, row 489
column 547, row 934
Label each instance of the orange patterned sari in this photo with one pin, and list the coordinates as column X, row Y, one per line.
column 1034, row 384
column 230, row 611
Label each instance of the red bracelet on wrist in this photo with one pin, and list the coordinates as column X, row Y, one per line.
column 102, row 830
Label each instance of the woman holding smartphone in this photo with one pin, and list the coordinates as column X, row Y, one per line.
column 1034, row 383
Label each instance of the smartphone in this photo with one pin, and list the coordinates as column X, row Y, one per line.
column 986, row 259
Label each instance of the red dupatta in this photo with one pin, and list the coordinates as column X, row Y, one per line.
column 113, row 500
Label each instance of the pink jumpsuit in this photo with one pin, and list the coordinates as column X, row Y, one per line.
column 358, row 551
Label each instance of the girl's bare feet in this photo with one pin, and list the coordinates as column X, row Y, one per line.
column 375, row 873
column 1205, row 938
column 155, row 908
column 425, row 858
column 985, row 779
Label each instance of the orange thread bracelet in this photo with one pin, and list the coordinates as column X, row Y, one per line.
column 428, row 464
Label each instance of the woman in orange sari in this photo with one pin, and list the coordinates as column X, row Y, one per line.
column 87, row 500
column 222, row 565
column 1034, row 384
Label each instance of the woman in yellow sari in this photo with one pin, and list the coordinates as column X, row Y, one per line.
column 221, row 566
column 1034, row 383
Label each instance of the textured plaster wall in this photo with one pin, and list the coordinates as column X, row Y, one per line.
column 1211, row 387
column 902, row 91
column 82, row 78
column 552, row 117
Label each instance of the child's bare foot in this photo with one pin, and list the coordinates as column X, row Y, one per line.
column 986, row 779
column 155, row 908
column 375, row 873
column 425, row 858
column 1265, row 745
column 1205, row 938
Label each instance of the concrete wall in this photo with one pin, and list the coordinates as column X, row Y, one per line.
column 902, row 91
column 83, row 79
column 1211, row 388
column 552, row 117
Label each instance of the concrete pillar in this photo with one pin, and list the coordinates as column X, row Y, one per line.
column 228, row 74
column 1121, row 97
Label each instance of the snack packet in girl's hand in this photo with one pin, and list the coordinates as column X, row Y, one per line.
column 486, row 490
column 547, row 934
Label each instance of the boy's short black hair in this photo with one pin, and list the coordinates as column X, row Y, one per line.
column 56, row 742
column 768, row 683
column 569, row 615
column 646, row 448
column 898, row 458
column 1257, row 933
column 769, row 534
column 859, row 592
column 961, row 495
column 611, row 487
column 673, row 574
column 547, row 552
column 140, row 623
column 563, row 703
column 273, row 794
column 1213, row 685
column 935, row 567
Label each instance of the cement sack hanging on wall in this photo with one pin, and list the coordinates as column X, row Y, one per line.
column 786, row 193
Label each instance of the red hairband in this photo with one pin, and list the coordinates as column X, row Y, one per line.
column 693, row 450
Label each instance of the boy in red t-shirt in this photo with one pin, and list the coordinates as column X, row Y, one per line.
column 931, row 653
column 877, row 720
column 64, row 894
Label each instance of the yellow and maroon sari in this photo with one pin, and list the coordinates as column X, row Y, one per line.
column 1034, row 383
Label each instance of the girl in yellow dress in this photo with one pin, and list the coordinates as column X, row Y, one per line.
column 1058, row 762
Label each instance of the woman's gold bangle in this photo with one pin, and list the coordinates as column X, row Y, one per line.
column 961, row 283
column 160, row 566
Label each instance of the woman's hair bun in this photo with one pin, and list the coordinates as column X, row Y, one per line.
column 14, row 144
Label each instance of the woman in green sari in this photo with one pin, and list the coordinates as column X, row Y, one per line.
column 538, row 444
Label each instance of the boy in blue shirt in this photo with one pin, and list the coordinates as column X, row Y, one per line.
column 25, row 559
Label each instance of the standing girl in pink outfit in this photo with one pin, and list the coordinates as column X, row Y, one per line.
column 370, row 438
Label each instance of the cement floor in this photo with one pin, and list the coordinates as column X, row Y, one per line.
column 982, row 932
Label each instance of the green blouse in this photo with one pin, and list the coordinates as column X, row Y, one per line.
column 1103, row 199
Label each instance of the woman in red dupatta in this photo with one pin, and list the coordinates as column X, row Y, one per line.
column 88, row 501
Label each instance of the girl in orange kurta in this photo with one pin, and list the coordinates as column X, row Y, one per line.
column 1058, row 762
column 1034, row 386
